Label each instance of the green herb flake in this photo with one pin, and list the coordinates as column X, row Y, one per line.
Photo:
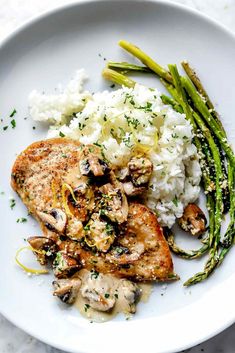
column 109, row 229
column 86, row 307
column 107, row 295
column 13, row 123
column 175, row 201
column 132, row 121
column 13, row 113
column 12, row 203
column 5, row 128
column 116, row 295
column 21, row 220
column 61, row 134
column 94, row 274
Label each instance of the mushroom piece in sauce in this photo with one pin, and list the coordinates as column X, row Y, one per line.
column 129, row 293
column 99, row 233
column 54, row 220
column 97, row 290
column 135, row 176
column 114, row 202
column 64, row 266
column 67, row 289
column 45, row 248
column 93, row 165
column 131, row 190
column 193, row 220
column 140, row 169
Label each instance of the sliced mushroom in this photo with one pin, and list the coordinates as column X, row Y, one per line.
column 140, row 170
column 128, row 293
column 45, row 248
column 67, row 289
column 99, row 233
column 54, row 220
column 131, row 190
column 193, row 220
column 122, row 174
column 93, row 165
column 98, row 292
column 114, row 202
column 64, row 266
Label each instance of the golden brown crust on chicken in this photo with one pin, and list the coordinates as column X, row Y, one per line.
column 40, row 172
column 52, row 177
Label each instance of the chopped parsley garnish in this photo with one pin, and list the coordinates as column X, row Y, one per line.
column 112, row 86
column 116, row 295
column 147, row 107
column 107, row 295
column 175, row 136
column 175, row 201
column 86, row 307
column 5, row 128
column 12, row 203
column 94, row 274
column 13, row 113
column 132, row 121
column 61, row 134
column 102, row 212
column 34, row 127
column 13, row 123
column 108, row 229
column 81, row 126
column 21, row 220
column 127, row 141
column 130, row 98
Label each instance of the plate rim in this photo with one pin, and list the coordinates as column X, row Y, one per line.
column 59, row 9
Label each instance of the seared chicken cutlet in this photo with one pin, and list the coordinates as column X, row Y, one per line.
column 84, row 213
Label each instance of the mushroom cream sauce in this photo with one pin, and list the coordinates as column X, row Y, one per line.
column 115, row 288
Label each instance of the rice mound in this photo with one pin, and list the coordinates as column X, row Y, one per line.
column 123, row 122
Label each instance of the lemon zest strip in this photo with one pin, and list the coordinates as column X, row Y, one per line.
column 25, row 268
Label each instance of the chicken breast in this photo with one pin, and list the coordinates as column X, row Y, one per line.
column 73, row 192
column 140, row 252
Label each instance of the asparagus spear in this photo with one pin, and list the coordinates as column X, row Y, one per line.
column 172, row 102
column 192, row 116
column 213, row 259
column 118, row 78
column 230, row 233
column 185, row 254
column 124, row 66
column 145, row 59
column 204, row 111
column 198, row 84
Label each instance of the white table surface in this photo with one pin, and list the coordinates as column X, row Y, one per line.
column 12, row 14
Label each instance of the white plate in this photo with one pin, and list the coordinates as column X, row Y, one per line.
column 48, row 50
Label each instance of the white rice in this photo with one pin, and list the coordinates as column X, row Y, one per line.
column 118, row 121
